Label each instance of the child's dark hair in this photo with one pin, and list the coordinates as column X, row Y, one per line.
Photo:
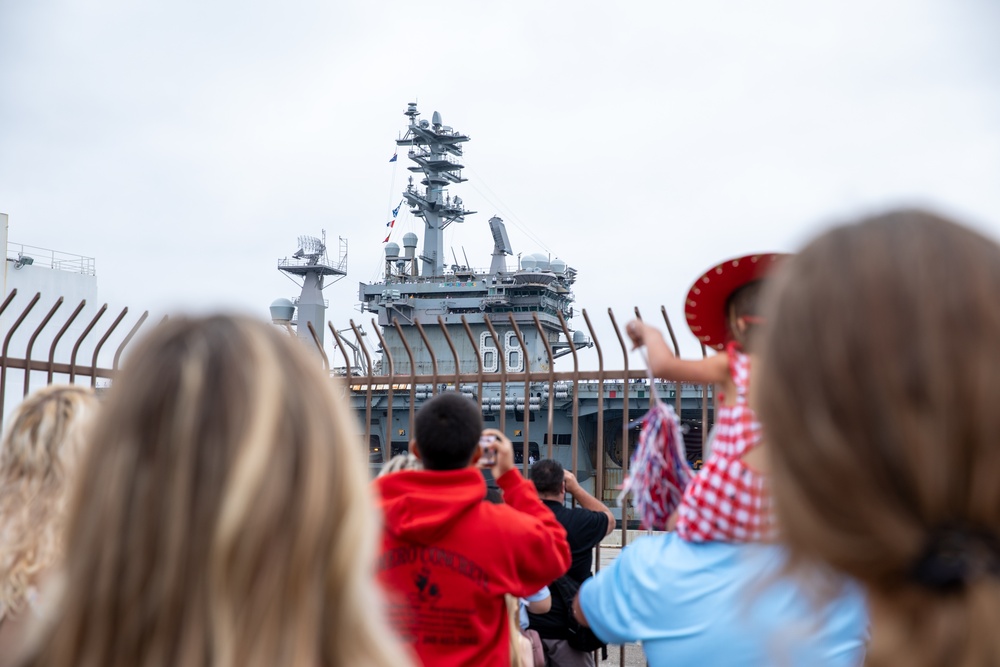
column 744, row 302
column 447, row 430
column 547, row 475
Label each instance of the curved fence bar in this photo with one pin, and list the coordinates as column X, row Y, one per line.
column 479, row 361
column 430, row 353
column 128, row 339
column 503, row 372
column 319, row 346
column 677, row 353
column 6, row 345
column 550, row 424
column 55, row 341
column 79, row 341
column 451, row 346
column 100, row 344
column 368, row 390
column 525, row 455
column 8, row 300
column 625, row 411
column 343, row 350
column 413, row 369
column 575, row 436
column 389, row 414
column 31, row 344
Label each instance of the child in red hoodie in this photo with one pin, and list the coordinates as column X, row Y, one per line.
column 448, row 557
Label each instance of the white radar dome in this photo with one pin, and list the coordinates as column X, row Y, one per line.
column 282, row 310
column 409, row 240
column 391, row 250
column 529, row 263
column 541, row 261
column 558, row 266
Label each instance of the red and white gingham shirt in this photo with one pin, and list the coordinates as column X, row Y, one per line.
column 726, row 501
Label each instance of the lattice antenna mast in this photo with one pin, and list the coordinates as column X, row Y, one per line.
column 432, row 145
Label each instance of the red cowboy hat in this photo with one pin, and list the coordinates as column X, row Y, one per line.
column 705, row 305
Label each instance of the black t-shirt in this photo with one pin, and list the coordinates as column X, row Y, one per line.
column 584, row 529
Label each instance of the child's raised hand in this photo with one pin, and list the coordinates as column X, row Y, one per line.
column 636, row 331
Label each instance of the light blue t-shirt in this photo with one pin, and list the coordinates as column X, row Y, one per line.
column 523, row 605
column 715, row 603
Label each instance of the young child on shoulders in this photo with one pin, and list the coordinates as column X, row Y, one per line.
column 726, row 500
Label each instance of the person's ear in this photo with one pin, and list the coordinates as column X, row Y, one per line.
column 478, row 452
column 415, row 449
column 741, row 325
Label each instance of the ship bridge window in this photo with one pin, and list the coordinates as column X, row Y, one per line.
column 559, row 439
column 519, row 452
column 375, row 449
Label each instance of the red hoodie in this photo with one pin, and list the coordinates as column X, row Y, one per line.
column 448, row 557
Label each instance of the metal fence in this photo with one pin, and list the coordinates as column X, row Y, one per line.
column 381, row 390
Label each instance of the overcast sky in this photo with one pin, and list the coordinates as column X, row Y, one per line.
column 186, row 145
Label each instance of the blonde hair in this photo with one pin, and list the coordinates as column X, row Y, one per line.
column 40, row 448
column 878, row 384
column 223, row 516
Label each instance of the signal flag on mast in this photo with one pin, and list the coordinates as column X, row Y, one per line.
column 393, row 158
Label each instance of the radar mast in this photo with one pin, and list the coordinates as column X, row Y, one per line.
column 432, row 143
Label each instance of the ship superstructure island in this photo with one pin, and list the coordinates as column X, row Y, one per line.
column 434, row 311
column 421, row 288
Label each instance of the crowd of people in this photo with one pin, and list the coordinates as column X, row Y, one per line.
column 213, row 509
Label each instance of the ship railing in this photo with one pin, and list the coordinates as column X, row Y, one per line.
column 27, row 255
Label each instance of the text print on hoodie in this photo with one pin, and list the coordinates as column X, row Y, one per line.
column 448, row 557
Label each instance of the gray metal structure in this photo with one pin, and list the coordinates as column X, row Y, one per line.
column 312, row 265
column 420, row 294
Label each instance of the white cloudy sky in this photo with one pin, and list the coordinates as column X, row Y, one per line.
column 186, row 145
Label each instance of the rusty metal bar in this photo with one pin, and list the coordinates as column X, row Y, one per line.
column 319, row 346
column 55, row 341
column 368, row 392
column 479, row 361
column 392, row 378
column 599, row 445
column 343, row 351
column 430, row 352
column 575, row 429
column 6, row 344
column 31, row 345
column 79, row 341
column 527, row 395
column 8, row 300
column 625, row 411
column 503, row 372
column 552, row 388
column 128, row 338
column 413, row 370
column 625, row 453
column 100, row 344
column 677, row 353
column 451, row 345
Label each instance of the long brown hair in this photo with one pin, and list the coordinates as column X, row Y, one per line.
column 40, row 449
column 879, row 382
column 223, row 516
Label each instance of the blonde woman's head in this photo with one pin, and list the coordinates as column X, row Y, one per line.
column 878, row 386
column 44, row 437
column 223, row 517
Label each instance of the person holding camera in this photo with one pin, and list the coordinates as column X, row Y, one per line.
column 585, row 526
column 447, row 557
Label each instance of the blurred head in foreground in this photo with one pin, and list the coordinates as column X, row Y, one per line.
column 222, row 516
column 41, row 446
column 879, row 383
